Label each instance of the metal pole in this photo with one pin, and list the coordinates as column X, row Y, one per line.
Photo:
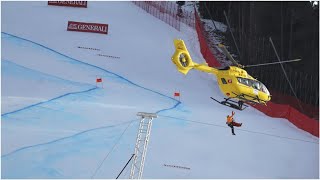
column 125, row 166
column 275, row 51
column 210, row 16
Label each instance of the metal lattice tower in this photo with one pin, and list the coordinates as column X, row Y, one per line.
column 142, row 141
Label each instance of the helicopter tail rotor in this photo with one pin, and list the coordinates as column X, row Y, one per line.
column 181, row 57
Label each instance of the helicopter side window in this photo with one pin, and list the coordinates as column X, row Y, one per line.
column 244, row 81
column 249, row 82
column 253, row 83
column 256, row 85
column 261, row 87
column 264, row 89
column 223, row 81
column 241, row 80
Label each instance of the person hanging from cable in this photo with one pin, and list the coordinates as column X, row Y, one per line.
column 231, row 122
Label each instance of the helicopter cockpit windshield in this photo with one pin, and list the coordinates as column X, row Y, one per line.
column 253, row 83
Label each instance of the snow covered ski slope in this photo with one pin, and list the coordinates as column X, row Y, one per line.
column 56, row 122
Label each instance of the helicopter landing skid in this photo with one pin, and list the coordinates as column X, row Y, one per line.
column 230, row 103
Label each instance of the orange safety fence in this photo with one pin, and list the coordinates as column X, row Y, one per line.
column 295, row 117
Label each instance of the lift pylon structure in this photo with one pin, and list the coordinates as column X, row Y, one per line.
column 142, row 141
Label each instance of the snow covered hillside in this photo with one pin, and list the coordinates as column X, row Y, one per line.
column 56, row 123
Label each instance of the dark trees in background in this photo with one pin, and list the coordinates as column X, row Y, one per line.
column 180, row 3
column 294, row 29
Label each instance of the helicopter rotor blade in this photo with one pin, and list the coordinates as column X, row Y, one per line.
column 226, row 52
column 264, row 64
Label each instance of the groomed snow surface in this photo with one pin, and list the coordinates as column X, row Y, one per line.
column 56, row 123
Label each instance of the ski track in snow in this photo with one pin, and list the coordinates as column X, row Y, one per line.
column 45, row 74
column 63, row 138
column 33, row 105
column 175, row 106
column 81, row 92
column 73, row 93
column 81, row 62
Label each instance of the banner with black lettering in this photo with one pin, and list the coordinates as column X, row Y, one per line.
column 88, row 27
column 82, row 4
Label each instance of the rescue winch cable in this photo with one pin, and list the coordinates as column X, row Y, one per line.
column 249, row 131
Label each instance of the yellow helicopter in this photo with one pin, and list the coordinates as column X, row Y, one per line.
column 234, row 82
